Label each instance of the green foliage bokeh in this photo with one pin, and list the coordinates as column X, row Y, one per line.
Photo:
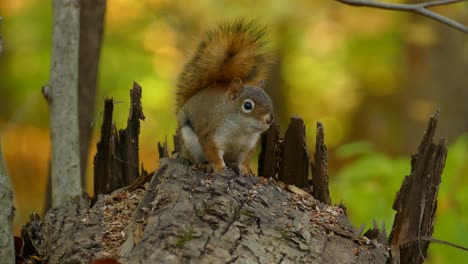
column 332, row 59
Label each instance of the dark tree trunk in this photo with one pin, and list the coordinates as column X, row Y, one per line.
column 91, row 30
column 438, row 79
column 1, row 40
column 434, row 77
column 277, row 91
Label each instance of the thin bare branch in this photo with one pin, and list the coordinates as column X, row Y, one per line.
column 440, row 2
column 438, row 241
column 420, row 9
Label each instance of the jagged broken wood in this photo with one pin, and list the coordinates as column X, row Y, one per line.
column 163, row 150
column 320, row 168
column 268, row 158
column 294, row 164
column 108, row 174
column 116, row 163
column 186, row 215
column 416, row 201
column 129, row 136
column 177, row 147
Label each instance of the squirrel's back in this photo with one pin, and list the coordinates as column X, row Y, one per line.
column 236, row 49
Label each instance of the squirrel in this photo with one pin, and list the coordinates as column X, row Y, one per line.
column 222, row 107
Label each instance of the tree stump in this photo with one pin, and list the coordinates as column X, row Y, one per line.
column 186, row 215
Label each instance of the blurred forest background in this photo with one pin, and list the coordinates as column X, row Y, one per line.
column 373, row 78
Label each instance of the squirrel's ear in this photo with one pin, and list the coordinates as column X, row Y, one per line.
column 235, row 88
column 261, row 84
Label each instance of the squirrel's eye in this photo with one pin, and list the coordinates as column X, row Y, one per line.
column 248, row 105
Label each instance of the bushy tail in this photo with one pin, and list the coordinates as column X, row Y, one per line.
column 236, row 49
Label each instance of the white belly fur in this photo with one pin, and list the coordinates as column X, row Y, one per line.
column 232, row 143
column 235, row 143
column 192, row 145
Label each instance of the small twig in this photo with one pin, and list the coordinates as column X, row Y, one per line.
column 420, row 9
column 435, row 240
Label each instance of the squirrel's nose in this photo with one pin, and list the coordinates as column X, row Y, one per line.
column 269, row 119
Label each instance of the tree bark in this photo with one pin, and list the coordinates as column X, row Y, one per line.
column 62, row 97
column 185, row 215
column 7, row 249
column 320, row 168
column 268, row 157
column 294, row 164
column 129, row 137
column 91, row 30
column 108, row 172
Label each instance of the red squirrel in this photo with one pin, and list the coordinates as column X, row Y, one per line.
column 222, row 107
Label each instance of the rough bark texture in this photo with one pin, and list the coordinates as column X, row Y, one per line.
column 177, row 147
column 62, row 97
column 91, row 31
column 7, row 249
column 294, row 165
column 116, row 161
column 163, row 150
column 416, row 201
column 268, row 158
column 187, row 216
column 108, row 175
column 320, row 168
column 129, row 141
column 70, row 233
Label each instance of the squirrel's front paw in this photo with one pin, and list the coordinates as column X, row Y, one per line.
column 210, row 168
column 205, row 167
column 244, row 170
column 218, row 166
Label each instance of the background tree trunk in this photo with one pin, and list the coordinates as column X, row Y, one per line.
column 439, row 80
column 7, row 249
column 435, row 78
column 62, row 96
column 1, row 40
column 276, row 85
column 92, row 14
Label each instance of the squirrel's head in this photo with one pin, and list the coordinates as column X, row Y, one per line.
column 252, row 105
